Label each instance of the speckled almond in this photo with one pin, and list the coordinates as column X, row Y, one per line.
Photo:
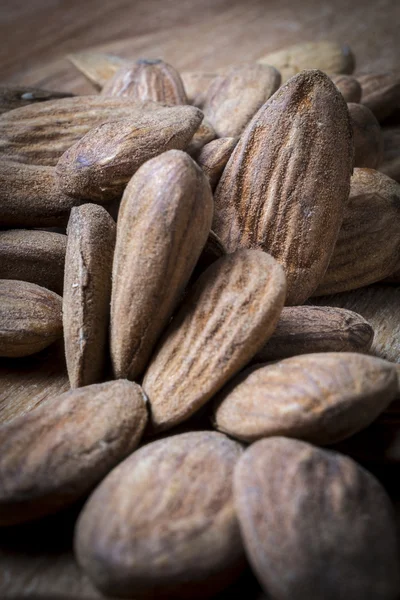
column 315, row 524
column 234, row 97
column 391, row 153
column 348, row 86
column 368, row 246
column 380, row 93
column 12, row 96
column 214, row 156
column 163, row 224
column 286, row 184
column 196, row 86
column 204, row 134
column 97, row 67
column 226, row 318
column 368, row 139
column 163, row 523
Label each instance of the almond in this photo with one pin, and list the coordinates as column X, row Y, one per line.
column 30, row 318
column 226, row 318
column 97, row 67
column 380, row 93
column 348, row 86
column 58, row 452
column 164, row 221
column 196, row 86
column 212, row 251
column 170, row 499
column 391, row 153
column 99, row 166
column 286, row 184
column 213, row 157
column 203, row 135
column 368, row 140
column 12, row 96
column 87, row 293
column 315, row 524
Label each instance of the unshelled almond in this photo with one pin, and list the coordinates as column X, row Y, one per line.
column 214, row 156
column 348, row 86
column 204, row 134
column 380, row 92
column 368, row 139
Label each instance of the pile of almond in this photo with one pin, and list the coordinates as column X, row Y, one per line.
column 180, row 234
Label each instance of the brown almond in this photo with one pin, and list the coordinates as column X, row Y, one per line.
column 368, row 139
column 97, row 67
column 226, row 318
column 196, row 86
column 204, row 134
column 391, row 153
column 214, row 156
column 12, row 96
column 380, row 93
column 319, row 398
column 348, row 86
column 163, row 224
column 30, row 318
column 368, row 246
column 33, row 256
column 310, row 329
column 212, row 251
column 147, row 79
column 99, row 166
column 170, row 499
column 40, row 133
column 58, row 452
column 87, row 293
column 286, row 184
column 234, row 97
column 329, row 57
column 315, row 524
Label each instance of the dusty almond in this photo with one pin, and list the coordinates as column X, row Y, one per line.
column 33, row 256
column 58, row 452
column 235, row 96
column 226, row 318
column 348, row 86
column 196, row 86
column 163, row 224
column 213, row 158
column 391, row 153
column 30, row 318
column 286, row 184
column 309, row 329
column 315, row 524
column 320, row 398
column 368, row 140
column 99, row 166
column 147, row 80
column 170, row 499
column 40, row 133
column 380, row 92
column 330, row 57
column 87, row 293
column 368, row 246
column 204, row 134
column 96, row 66
column 12, row 96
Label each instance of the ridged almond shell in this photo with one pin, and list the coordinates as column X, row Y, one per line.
column 380, row 92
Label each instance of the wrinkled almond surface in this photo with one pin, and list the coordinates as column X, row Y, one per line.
column 348, row 86
column 368, row 139
column 380, row 93
column 214, row 156
column 205, row 133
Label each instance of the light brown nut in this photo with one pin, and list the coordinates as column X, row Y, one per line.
column 330, row 57
column 368, row 246
column 12, row 96
column 40, row 133
column 320, row 398
column 30, row 318
column 99, row 166
column 348, row 86
column 147, row 80
column 234, row 97
column 315, row 524
column 226, row 318
column 87, row 293
column 58, row 452
column 310, row 329
column 97, row 67
column 391, row 153
column 163, row 224
column 33, row 256
column 285, row 186
column 380, row 92
column 214, row 156
column 203, row 135
column 196, row 86
column 368, row 139
column 163, row 523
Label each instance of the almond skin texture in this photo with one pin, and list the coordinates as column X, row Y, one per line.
column 170, row 499
column 30, row 318
column 16, row 96
column 315, row 524
column 286, row 184
column 204, row 134
column 33, row 256
column 40, row 133
column 163, row 224
column 87, row 293
column 234, row 97
column 391, row 153
column 97, row 67
column 212, row 251
column 310, row 329
column 214, row 156
column 58, row 452
column 99, row 166
column 380, row 93
column 348, row 86
column 368, row 246
column 326, row 56
column 196, row 85
column 368, row 139
column 226, row 318
column 319, row 398
column 147, row 80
